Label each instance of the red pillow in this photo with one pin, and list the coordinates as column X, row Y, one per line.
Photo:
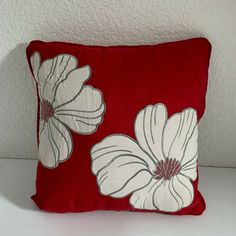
column 117, row 126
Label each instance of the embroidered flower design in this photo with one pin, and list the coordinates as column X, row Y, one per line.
column 157, row 169
column 65, row 103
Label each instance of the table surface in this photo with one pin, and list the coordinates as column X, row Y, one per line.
column 19, row 215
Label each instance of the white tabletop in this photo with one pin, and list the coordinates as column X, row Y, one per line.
column 19, row 215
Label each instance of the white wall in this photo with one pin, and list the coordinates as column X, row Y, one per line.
column 108, row 22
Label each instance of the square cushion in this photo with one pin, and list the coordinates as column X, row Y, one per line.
column 118, row 125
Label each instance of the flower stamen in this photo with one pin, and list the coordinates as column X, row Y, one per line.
column 167, row 169
column 47, row 110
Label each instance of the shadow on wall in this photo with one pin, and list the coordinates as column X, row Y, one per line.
column 18, row 127
column 17, row 107
column 20, row 184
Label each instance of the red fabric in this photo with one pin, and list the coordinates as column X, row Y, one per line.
column 130, row 78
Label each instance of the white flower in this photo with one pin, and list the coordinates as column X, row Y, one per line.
column 157, row 170
column 65, row 103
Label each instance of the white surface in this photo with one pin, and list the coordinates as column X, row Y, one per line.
column 110, row 22
column 19, row 216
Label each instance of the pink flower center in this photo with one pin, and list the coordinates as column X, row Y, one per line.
column 46, row 110
column 167, row 169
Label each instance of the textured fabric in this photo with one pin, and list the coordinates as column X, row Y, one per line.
column 118, row 126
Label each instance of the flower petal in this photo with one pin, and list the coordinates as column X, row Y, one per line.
column 63, row 139
column 54, row 71
column 41, row 125
column 119, row 182
column 174, row 194
column 35, row 64
column 143, row 198
column 177, row 133
column 164, row 199
column 149, row 126
column 120, row 165
column 183, row 187
column 117, row 146
column 47, row 154
column 190, row 168
column 84, row 113
column 69, row 88
column 55, row 143
column 189, row 161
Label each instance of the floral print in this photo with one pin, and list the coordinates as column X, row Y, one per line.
column 157, row 169
column 66, row 103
